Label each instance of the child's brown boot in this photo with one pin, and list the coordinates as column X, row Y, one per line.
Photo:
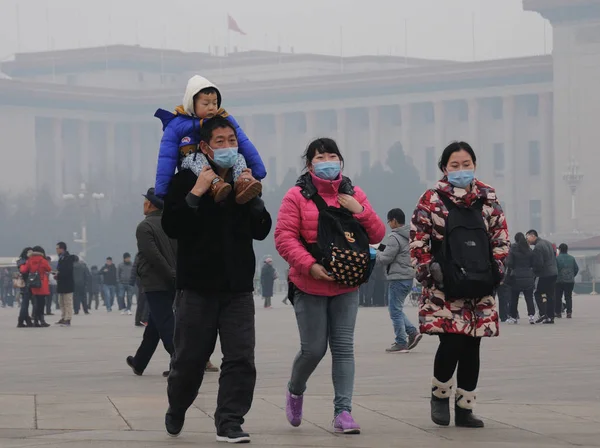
column 246, row 188
column 220, row 189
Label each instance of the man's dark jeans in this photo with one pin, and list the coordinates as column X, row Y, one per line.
column 80, row 300
column 198, row 320
column 544, row 296
column 567, row 290
column 161, row 323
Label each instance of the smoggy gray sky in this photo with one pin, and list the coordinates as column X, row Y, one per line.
column 436, row 28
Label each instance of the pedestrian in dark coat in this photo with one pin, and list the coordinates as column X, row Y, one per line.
column 268, row 275
column 520, row 277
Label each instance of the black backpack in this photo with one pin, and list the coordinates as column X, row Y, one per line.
column 342, row 245
column 465, row 255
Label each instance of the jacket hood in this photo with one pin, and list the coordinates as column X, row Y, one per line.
column 403, row 231
column 194, row 85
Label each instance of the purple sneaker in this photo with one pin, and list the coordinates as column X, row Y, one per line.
column 345, row 424
column 293, row 408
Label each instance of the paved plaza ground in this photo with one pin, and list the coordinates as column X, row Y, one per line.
column 71, row 388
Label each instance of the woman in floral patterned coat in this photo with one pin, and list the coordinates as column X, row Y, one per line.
column 460, row 323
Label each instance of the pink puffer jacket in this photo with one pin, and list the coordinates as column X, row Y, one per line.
column 300, row 216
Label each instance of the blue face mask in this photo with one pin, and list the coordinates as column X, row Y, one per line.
column 327, row 170
column 462, row 178
column 225, row 157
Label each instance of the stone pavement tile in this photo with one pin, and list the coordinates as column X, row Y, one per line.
column 585, row 411
column 17, row 411
column 516, row 436
column 148, row 414
column 77, row 412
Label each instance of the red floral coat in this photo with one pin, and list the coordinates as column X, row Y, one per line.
column 437, row 315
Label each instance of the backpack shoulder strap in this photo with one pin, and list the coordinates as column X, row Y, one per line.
column 319, row 201
column 446, row 200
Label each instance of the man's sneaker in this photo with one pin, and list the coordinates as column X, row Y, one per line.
column 123, row 313
column 293, row 408
column 166, row 373
column 129, row 313
column 548, row 321
column 131, row 363
column 173, row 423
column 66, row 323
column 541, row 319
column 345, row 424
column 61, row 321
column 234, row 434
column 512, row 320
column 569, row 315
column 532, row 320
column 397, row 348
column 413, row 340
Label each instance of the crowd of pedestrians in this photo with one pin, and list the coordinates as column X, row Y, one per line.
column 195, row 269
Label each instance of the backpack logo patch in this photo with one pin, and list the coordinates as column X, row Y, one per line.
column 350, row 237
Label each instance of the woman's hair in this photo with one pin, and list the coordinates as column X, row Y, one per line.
column 321, row 146
column 451, row 149
column 40, row 250
column 24, row 252
column 522, row 243
column 563, row 248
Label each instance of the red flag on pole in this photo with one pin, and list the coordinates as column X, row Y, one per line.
column 233, row 25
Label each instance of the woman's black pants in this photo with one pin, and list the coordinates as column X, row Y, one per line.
column 458, row 352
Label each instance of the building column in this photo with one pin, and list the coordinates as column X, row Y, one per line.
column 405, row 130
column 111, row 162
column 280, row 150
column 375, row 146
column 84, row 150
column 473, row 105
column 351, row 156
column 311, row 125
column 520, row 219
column 57, row 142
column 440, row 127
column 136, row 152
column 547, row 154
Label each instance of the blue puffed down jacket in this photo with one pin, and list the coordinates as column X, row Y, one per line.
column 181, row 128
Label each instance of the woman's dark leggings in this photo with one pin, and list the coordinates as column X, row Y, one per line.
column 39, row 303
column 461, row 350
column 24, row 310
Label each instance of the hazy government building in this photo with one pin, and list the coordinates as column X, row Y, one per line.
column 86, row 115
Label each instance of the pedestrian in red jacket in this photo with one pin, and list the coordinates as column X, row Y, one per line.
column 37, row 264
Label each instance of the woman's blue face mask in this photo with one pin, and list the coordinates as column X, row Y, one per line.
column 461, row 178
column 328, row 170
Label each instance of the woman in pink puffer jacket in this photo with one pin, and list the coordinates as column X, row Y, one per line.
column 325, row 310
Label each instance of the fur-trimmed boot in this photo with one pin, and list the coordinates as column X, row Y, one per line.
column 463, row 410
column 440, row 402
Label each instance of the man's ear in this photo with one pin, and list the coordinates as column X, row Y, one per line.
column 204, row 148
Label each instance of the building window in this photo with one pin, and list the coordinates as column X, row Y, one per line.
column 499, row 159
column 535, row 158
column 535, row 214
column 390, row 115
column 365, row 161
column 430, row 163
column 497, row 107
column 532, row 103
column 428, row 113
column 265, row 124
column 140, row 76
column 463, row 111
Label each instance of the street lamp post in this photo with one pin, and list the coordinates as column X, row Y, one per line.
column 84, row 201
column 573, row 177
